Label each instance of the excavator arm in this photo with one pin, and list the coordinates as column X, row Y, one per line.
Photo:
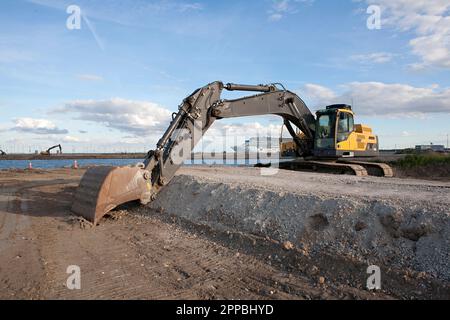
column 199, row 111
column 47, row 152
column 104, row 188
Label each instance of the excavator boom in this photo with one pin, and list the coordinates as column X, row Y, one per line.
column 47, row 152
column 104, row 188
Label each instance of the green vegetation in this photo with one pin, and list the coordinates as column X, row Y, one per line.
column 406, row 151
column 419, row 160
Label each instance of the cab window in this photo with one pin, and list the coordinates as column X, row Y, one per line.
column 351, row 124
column 326, row 128
column 345, row 126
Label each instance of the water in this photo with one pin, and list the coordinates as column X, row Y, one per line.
column 52, row 164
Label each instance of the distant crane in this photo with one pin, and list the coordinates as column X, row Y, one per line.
column 47, row 152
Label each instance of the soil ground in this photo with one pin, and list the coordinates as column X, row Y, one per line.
column 438, row 172
column 135, row 256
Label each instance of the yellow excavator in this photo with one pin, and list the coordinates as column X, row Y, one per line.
column 47, row 152
column 337, row 135
column 327, row 142
column 343, row 145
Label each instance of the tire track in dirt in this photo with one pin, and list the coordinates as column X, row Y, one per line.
column 154, row 260
column 20, row 270
column 130, row 256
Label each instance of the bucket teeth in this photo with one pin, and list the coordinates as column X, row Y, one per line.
column 103, row 188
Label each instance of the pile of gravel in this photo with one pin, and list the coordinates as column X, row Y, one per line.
column 386, row 231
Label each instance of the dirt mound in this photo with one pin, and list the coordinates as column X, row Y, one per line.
column 394, row 232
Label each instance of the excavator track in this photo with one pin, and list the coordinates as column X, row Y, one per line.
column 325, row 167
column 373, row 168
column 341, row 166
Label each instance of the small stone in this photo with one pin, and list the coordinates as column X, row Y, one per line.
column 360, row 226
column 287, row 245
column 321, row 280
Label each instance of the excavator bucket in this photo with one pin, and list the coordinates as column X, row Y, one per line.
column 103, row 188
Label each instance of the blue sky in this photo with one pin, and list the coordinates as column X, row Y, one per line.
column 111, row 85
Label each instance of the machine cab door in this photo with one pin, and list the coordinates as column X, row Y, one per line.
column 345, row 126
column 325, row 131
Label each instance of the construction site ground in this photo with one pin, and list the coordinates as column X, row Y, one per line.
column 154, row 253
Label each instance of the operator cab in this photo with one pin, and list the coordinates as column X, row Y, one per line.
column 333, row 126
column 337, row 135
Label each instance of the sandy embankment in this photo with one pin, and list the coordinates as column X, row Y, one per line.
column 397, row 224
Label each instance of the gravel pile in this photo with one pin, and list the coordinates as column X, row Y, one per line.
column 388, row 222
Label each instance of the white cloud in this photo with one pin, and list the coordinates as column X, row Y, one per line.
column 71, row 139
column 144, row 122
column 430, row 22
column 248, row 129
column 370, row 58
column 406, row 134
column 280, row 8
column 275, row 16
column 377, row 98
column 225, row 134
column 4, row 127
column 123, row 10
column 37, row 126
column 317, row 94
column 183, row 7
column 89, row 77
column 136, row 117
column 9, row 55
